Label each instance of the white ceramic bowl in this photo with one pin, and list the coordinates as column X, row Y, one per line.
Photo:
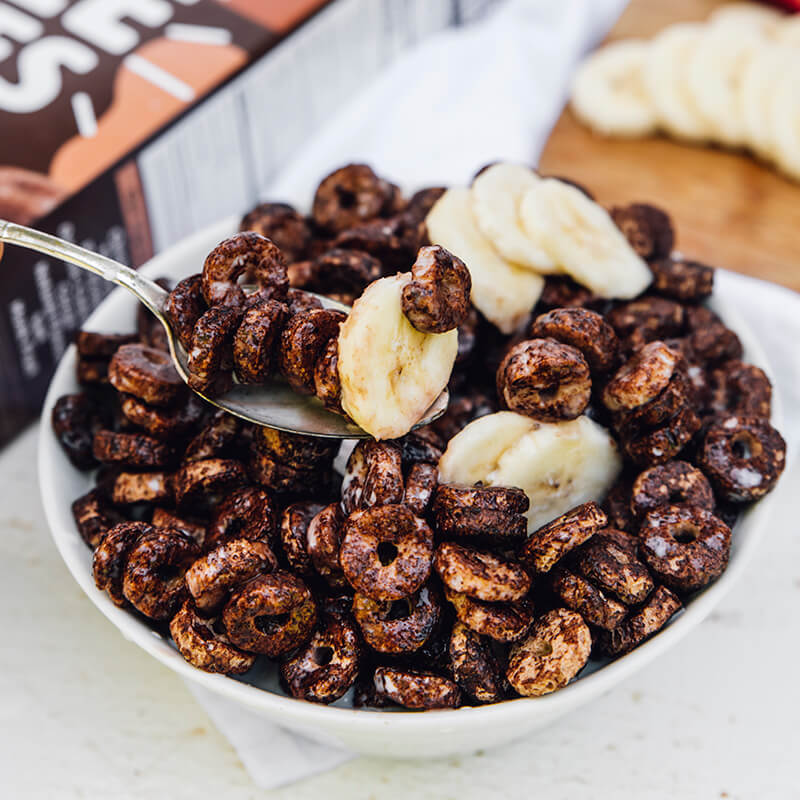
column 397, row 734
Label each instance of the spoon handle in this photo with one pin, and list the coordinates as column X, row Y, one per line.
column 150, row 293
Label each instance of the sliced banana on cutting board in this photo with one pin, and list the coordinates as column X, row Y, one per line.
column 558, row 465
column 721, row 81
column 502, row 291
column 609, row 94
column 390, row 372
column 580, row 235
column 496, row 197
column 666, row 81
column 714, row 75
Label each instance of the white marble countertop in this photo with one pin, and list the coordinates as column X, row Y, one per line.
column 86, row 714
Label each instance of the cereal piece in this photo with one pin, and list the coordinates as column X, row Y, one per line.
column 75, row 419
column 327, row 383
column 386, row 551
column 711, row 341
column 474, row 667
column 669, row 484
column 552, row 542
column 582, row 329
column 739, row 388
column 480, row 575
column 662, row 408
column 101, row 345
column 414, row 689
column 229, row 565
column 145, row 373
column 131, row 449
column 129, row 488
column 286, row 480
column 402, row 626
column 247, row 252
column 685, row 546
column 422, row 201
column 659, row 445
column 93, row 517
column 248, row 513
column 324, row 542
column 303, row 340
column 617, row 506
column 650, row 317
column 215, row 440
column 504, row 622
column 294, row 535
column 642, row 378
column 296, row 450
column 562, row 292
column 283, row 225
column 436, row 300
column 184, row 306
column 211, row 352
column 554, row 652
column 578, row 594
column 341, row 270
column 92, row 371
column 200, row 643
column 743, row 457
column 209, row 476
column 642, row 623
column 298, row 301
column 647, row 228
column 111, row 555
column 373, row 476
column 544, row 379
column 350, row 195
column 166, row 519
column 271, row 614
column 421, row 483
column 154, row 572
column 163, row 423
column 255, row 340
column 328, row 665
column 488, row 512
column 393, row 242
column 686, row 281
column 615, row 569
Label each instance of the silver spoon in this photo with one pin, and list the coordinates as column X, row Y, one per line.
column 274, row 405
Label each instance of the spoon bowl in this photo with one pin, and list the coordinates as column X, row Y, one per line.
column 272, row 405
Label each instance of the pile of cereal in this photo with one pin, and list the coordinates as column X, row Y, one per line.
column 394, row 580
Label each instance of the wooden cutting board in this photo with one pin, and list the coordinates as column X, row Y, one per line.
column 729, row 210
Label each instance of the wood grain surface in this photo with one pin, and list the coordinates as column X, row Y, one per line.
column 729, row 210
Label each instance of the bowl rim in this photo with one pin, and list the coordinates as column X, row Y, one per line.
column 288, row 710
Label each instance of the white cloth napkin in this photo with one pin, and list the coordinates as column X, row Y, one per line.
column 459, row 100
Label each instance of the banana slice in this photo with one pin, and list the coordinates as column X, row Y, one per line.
column 496, row 195
column 608, row 92
column 558, row 465
column 788, row 31
column 503, row 292
column 390, row 372
column 665, row 79
column 784, row 116
column 580, row 235
column 714, row 74
column 760, row 77
column 746, row 16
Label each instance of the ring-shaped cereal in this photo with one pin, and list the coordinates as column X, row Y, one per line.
column 504, row 622
column 402, row 626
column 271, row 614
column 676, row 482
column 582, row 329
column 212, row 577
column 146, row 373
column 203, row 647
